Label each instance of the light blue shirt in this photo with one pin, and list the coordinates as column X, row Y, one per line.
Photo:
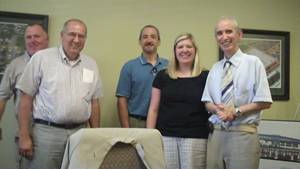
column 250, row 84
column 135, row 83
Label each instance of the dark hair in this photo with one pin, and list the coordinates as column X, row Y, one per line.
column 37, row 24
column 149, row 26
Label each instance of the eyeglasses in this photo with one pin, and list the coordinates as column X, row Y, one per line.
column 74, row 35
column 154, row 70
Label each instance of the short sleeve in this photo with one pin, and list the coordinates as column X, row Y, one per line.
column 158, row 81
column 7, row 83
column 31, row 78
column 124, row 83
column 262, row 89
column 97, row 91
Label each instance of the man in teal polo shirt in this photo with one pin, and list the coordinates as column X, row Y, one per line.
column 135, row 82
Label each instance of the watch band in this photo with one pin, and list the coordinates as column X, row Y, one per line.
column 237, row 113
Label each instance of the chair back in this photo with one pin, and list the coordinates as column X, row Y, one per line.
column 114, row 148
column 122, row 156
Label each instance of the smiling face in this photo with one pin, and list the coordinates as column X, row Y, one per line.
column 185, row 52
column 73, row 39
column 149, row 40
column 228, row 36
column 35, row 39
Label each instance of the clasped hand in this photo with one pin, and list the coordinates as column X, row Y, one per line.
column 225, row 113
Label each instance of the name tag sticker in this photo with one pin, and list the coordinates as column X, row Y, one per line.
column 87, row 76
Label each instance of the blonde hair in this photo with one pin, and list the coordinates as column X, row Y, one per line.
column 173, row 66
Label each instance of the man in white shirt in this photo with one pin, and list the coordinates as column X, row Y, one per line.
column 234, row 142
column 62, row 88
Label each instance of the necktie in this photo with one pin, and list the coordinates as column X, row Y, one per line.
column 227, row 84
column 227, row 88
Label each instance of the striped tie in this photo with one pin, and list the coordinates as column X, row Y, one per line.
column 227, row 88
column 227, row 84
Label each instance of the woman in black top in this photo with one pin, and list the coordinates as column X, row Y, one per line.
column 176, row 109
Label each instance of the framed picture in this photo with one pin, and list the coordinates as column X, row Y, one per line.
column 273, row 48
column 12, row 29
column 280, row 146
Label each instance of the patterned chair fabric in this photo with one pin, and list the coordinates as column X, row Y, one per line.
column 122, row 156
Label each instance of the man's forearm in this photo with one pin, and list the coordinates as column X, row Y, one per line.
column 95, row 114
column 24, row 112
column 2, row 107
column 211, row 107
column 254, row 107
column 123, row 112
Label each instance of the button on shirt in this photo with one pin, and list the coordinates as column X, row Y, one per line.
column 135, row 83
column 249, row 85
column 12, row 75
column 63, row 90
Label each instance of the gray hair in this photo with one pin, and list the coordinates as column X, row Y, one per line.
column 232, row 20
column 73, row 20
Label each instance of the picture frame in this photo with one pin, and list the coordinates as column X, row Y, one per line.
column 12, row 30
column 280, row 146
column 273, row 49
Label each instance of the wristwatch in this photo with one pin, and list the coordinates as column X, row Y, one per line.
column 237, row 113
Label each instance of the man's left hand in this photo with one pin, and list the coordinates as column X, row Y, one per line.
column 226, row 113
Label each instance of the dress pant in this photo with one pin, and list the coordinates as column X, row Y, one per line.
column 233, row 150
column 137, row 123
column 49, row 146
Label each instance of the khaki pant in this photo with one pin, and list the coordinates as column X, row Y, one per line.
column 49, row 146
column 233, row 150
column 136, row 123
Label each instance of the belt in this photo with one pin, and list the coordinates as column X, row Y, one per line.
column 139, row 117
column 64, row 126
column 250, row 128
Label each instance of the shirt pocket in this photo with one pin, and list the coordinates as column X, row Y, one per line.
column 242, row 95
column 86, row 92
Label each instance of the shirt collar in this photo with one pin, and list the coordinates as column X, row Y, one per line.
column 27, row 57
column 234, row 59
column 143, row 60
column 65, row 58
